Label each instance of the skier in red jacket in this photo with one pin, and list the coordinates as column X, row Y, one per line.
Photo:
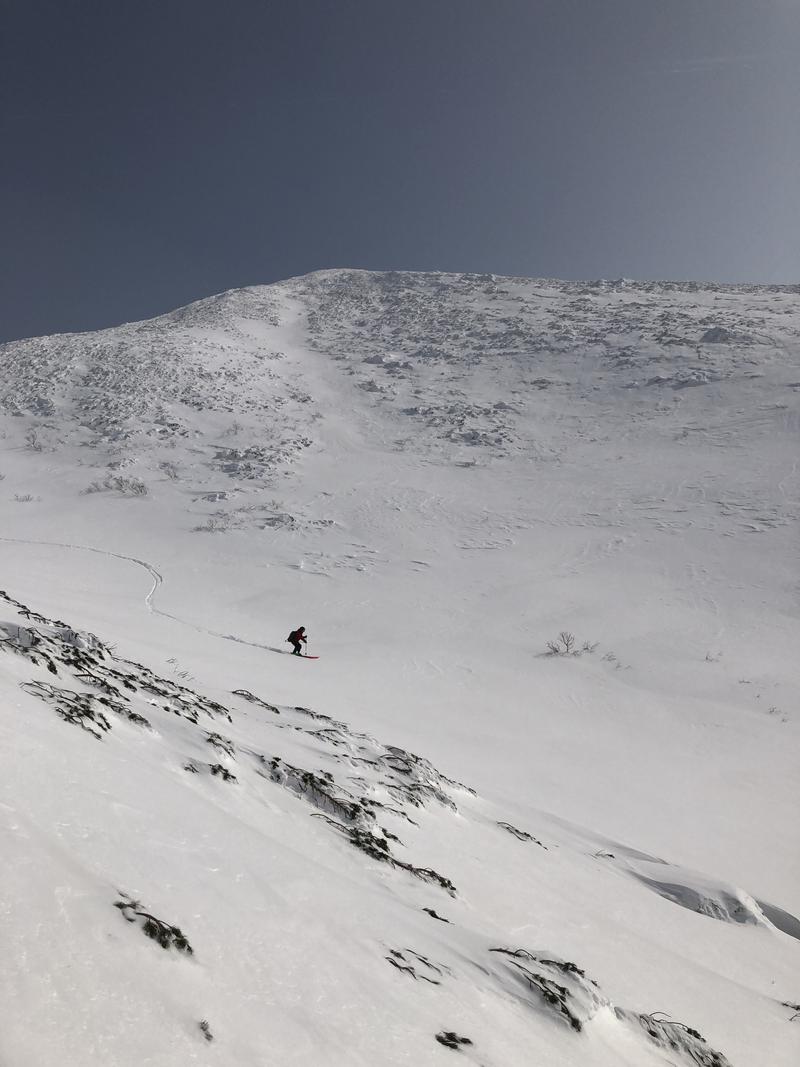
column 297, row 638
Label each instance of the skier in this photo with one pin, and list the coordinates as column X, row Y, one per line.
column 297, row 638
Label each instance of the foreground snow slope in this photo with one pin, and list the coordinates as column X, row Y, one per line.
column 436, row 474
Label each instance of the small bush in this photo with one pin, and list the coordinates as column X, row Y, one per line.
column 566, row 645
column 163, row 933
column 115, row 483
column 218, row 523
column 128, row 486
column 170, row 470
column 450, row 1039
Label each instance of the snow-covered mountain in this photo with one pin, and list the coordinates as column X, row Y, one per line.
column 455, row 834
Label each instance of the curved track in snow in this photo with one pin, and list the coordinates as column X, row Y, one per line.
column 149, row 600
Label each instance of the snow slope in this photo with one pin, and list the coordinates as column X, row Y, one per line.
column 436, row 474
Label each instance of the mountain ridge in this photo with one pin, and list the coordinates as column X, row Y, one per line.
column 437, row 475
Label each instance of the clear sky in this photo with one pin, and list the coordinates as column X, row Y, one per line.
column 155, row 151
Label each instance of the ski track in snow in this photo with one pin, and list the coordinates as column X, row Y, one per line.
column 151, row 570
column 149, row 599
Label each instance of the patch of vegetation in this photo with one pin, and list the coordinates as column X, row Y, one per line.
column 433, row 915
column 402, row 963
column 552, row 992
column 450, row 1039
column 116, row 483
column 224, row 744
column 377, row 847
column 247, row 695
column 163, row 933
column 677, row 1037
column 566, row 645
column 521, row 835
column 169, row 469
column 218, row 771
column 78, row 708
column 322, row 791
column 217, row 523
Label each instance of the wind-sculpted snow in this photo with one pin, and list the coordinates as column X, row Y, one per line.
column 391, row 782
column 675, row 1038
column 707, row 896
column 564, row 989
column 387, row 793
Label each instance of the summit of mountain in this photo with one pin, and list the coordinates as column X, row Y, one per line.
column 468, row 367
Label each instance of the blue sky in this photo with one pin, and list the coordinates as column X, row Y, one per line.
column 152, row 153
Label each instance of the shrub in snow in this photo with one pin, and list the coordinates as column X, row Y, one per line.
column 377, row 847
column 166, row 935
column 247, row 695
column 521, row 835
column 566, row 645
column 560, row 984
column 118, row 484
column 403, row 962
column 564, row 988
column 78, row 708
column 216, row 770
column 450, row 1039
column 433, row 915
column 82, row 709
column 677, row 1037
column 214, row 523
column 81, row 639
column 169, row 469
column 224, row 744
column 127, row 486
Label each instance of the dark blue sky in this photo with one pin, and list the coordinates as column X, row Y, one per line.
column 156, row 151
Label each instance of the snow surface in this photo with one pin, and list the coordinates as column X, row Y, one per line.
column 438, row 840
